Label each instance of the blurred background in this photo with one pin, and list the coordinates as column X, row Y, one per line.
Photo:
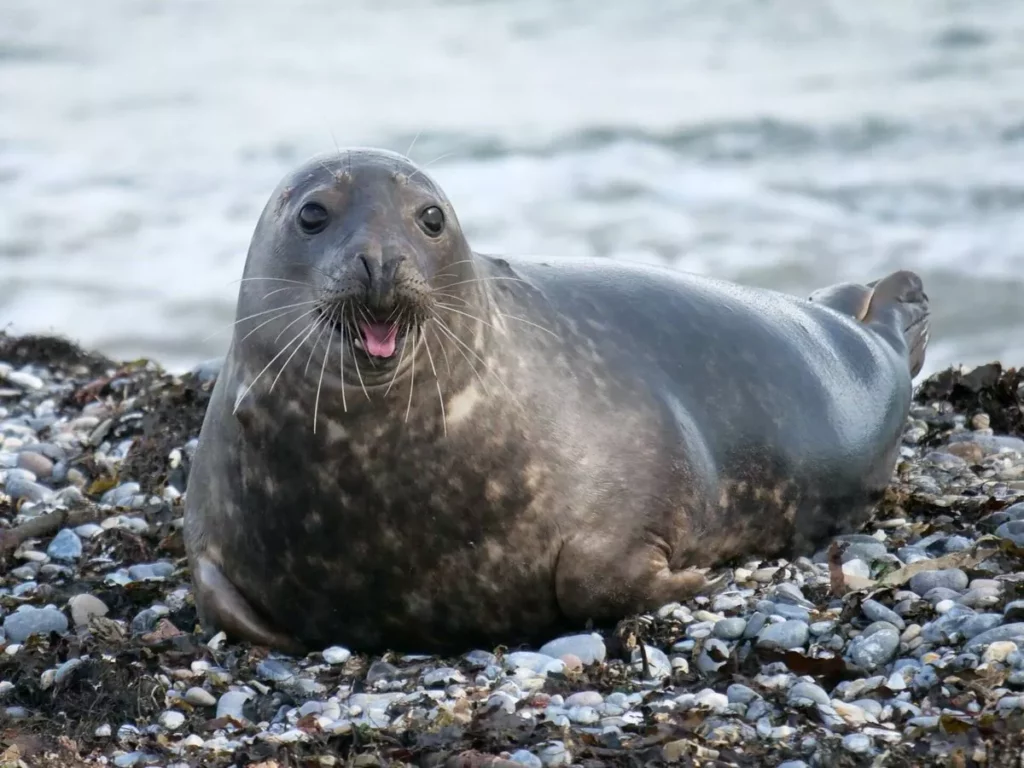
column 788, row 145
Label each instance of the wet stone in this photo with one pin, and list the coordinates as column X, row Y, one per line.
column 857, row 743
column 199, row 697
column 873, row 650
column 336, row 654
column 146, row 571
column 231, row 703
column 65, row 546
column 1014, row 632
column 524, row 757
column 738, row 693
column 730, row 629
column 658, row 663
column 28, row 621
column 754, row 624
column 947, row 578
column 875, row 611
column 35, row 463
column 808, row 694
column 275, row 671
column 528, row 660
column 783, row 636
column 588, row 648
column 1014, row 611
column 1012, row 531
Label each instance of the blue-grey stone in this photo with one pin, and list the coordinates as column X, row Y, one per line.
column 926, row 678
column 1014, row 632
column 231, row 703
column 1012, row 530
column 588, row 648
column 1014, row 611
column 957, row 544
column 28, row 621
column 790, row 611
column 523, row 757
column 872, row 650
column 553, row 754
column 875, row 611
column 857, row 743
column 754, row 624
column 912, row 554
column 730, row 629
column 737, row 693
column 443, row 676
column 808, row 694
column 937, row 595
column 866, row 551
column 121, row 496
column 145, row 620
column 65, row 546
column 528, row 659
column 658, row 663
column 947, row 578
column 20, row 488
column 783, row 636
column 147, row 571
column 275, row 671
column 478, row 659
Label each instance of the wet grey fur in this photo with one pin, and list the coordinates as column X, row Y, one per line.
column 604, row 427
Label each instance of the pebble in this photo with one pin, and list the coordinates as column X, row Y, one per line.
column 524, row 757
column 588, row 648
column 230, row 704
column 857, row 743
column 84, row 607
column 172, row 720
column 199, row 697
column 1014, row 611
column 999, row 651
column 783, row 636
column 808, row 694
column 336, row 654
column 948, row 578
column 35, row 463
column 29, row 620
column 65, row 546
column 730, row 629
column 1005, row 632
column 875, row 611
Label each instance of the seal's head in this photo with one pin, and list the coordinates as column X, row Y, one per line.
column 354, row 248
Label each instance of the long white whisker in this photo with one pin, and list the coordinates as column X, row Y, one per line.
column 240, row 398
column 437, row 383
column 341, row 357
column 323, row 367
column 355, row 359
column 398, row 367
column 412, row 383
column 277, row 317
column 315, row 324
column 444, row 329
column 232, row 325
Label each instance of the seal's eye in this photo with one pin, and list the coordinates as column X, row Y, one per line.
column 313, row 218
column 432, row 220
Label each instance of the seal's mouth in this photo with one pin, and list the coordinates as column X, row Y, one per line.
column 376, row 339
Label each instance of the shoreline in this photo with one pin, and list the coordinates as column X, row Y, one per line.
column 899, row 645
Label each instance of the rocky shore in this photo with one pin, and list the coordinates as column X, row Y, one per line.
column 902, row 644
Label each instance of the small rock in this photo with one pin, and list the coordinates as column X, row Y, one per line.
column 65, row 546
column 730, row 629
column 28, row 620
column 808, row 694
column 875, row 611
column 35, row 463
column 1005, row 632
column 172, row 720
column 231, row 703
column 1014, row 611
column 783, row 636
column 199, row 697
column 84, row 607
column 857, row 743
column 875, row 649
column 589, row 648
column 523, row 757
column 336, row 654
column 948, row 578
column 998, row 651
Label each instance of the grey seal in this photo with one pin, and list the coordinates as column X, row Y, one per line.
column 418, row 447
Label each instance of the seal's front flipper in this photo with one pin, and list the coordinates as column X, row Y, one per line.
column 896, row 306
column 222, row 606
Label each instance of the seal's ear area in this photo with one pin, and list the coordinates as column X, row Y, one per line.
column 898, row 301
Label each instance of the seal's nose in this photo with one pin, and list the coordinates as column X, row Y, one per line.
column 373, row 278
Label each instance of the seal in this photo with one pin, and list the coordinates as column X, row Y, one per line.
column 413, row 446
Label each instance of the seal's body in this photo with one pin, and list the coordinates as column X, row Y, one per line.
column 506, row 448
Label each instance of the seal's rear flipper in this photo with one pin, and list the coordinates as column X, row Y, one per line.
column 896, row 305
column 222, row 606
column 898, row 302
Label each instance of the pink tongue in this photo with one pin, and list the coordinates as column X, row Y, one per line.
column 379, row 338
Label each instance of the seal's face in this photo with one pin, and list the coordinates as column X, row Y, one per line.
column 354, row 248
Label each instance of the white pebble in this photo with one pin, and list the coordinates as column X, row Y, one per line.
column 336, row 654
column 998, row 651
column 172, row 720
column 943, row 606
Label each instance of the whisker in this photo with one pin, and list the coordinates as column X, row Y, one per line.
column 528, row 322
column 413, row 144
column 276, row 338
column 276, row 317
column 412, row 383
column 278, row 290
column 316, row 343
column 341, row 357
column 398, row 367
column 240, row 398
column 232, row 325
column 323, row 367
column 484, row 279
column 275, row 279
column 445, row 353
column 443, row 328
column 312, row 330
column 355, row 358
column 437, row 383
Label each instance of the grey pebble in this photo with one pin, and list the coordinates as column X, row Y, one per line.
column 145, row 571
column 554, row 754
column 873, row 649
column 524, row 757
column 857, row 743
column 18, row 488
column 807, row 694
column 28, row 620
column 588, row 648
column 200, row 697
column 84, row 607
column 730, row 629
column 875, row 611
column 1014, row 611
column 336, row 654
column 938, row 594
column 1012, row 531
column 536, row 662
column 121, row 496
column 794, row 612
column 275, row 671
column 35, row 463
column 231, row 704
column 783, row 636
column 1005, row 632
column 65, row 546
column 658, row 663
column 948, row 578
column 754, row 624
column 443, row 676
column 738, row 693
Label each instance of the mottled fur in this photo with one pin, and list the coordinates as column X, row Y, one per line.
column 605, row 427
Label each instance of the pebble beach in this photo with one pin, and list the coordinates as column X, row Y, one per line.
column 900, row 644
